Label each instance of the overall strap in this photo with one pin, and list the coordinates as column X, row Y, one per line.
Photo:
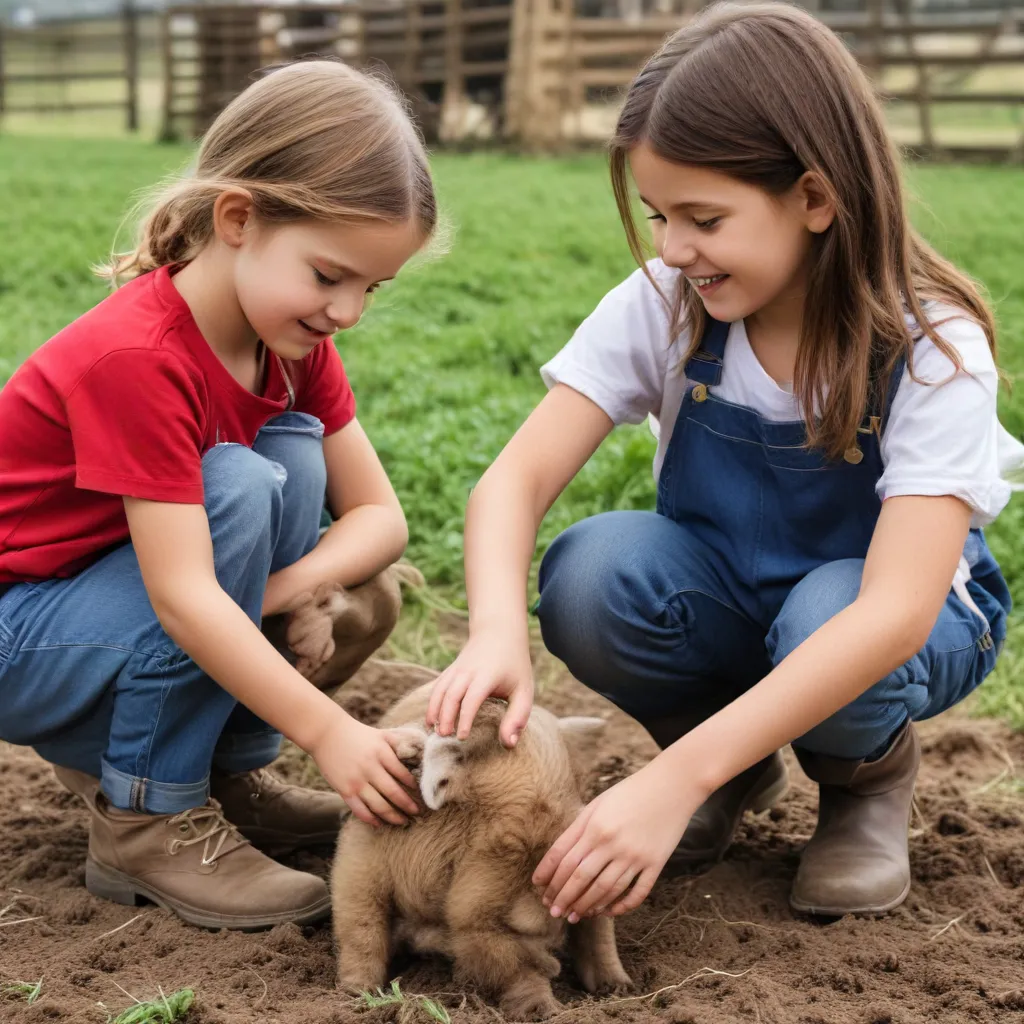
column 705, row 365
column 880, row 400
column 892, row 386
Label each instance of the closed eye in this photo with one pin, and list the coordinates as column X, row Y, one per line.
column 707, row 225
column 323, row 278
column 656, row 216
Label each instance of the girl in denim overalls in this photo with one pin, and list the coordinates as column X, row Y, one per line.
column 824, row 393
column 164, row 462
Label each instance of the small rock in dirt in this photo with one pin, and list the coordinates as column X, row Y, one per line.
column 953, row 824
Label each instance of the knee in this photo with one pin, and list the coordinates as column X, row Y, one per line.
column 864, row 725
column 295, row 442
column 818, row 597
column 594, row 585
column 243, row 488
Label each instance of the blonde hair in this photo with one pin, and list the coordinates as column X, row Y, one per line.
column 764, row 93
column 314, row 139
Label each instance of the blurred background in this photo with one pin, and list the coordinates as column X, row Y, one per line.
column 541, row 73
column 101, row 99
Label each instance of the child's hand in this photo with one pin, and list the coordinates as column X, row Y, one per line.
column 360, row 762
column 621, row 838
column 489, row 665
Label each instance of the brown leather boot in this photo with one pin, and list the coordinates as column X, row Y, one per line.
column 80, row 783
column 275, row 816
column 197, row 865
column 271, row 814
column 714, row 823
column 857, row 861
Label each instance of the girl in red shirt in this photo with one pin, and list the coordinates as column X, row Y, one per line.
column 163, row 464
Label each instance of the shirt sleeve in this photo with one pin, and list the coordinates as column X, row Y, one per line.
column 618, row 357
column 136, row 421
column 326, row 392
column 943, row 435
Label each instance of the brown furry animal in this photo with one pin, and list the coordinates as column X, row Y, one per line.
column 456, row 880
column 334, row 629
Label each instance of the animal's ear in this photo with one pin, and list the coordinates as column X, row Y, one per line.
column 443, row 758
column 581, row 736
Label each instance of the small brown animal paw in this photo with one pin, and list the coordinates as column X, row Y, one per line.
column 529, row 998
column 355, row 983
column 310, row 627
column 604, row 979
column 408, row 742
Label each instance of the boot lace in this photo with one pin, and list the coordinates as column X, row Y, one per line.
column 218, row 832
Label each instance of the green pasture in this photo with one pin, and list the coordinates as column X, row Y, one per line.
column 445, row 363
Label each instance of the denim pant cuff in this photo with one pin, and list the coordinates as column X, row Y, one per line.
column 244, row 751
column 144, row 796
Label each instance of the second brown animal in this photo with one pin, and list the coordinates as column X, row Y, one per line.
column 457, row 879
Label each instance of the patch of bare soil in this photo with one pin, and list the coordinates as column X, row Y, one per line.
column 720, row 947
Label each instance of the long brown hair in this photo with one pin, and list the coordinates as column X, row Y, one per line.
column 314, row 139
column 765, row 93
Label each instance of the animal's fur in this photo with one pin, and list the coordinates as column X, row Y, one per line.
column 457, row 879
column 332, row 629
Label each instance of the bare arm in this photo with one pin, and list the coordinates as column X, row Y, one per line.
column 502, row 519
column 175, row 554
column 629, row 831
column 369, row 534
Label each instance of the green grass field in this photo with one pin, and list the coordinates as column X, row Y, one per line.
column 445, row 363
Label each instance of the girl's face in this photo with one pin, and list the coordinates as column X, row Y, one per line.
column 299, row 283
column 741, row 248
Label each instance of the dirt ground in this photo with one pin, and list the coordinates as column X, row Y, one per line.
column 717, row 948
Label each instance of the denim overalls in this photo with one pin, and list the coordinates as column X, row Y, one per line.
column 757, row 541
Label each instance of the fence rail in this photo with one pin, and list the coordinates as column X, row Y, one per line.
column 72, row 59
column 543, row 73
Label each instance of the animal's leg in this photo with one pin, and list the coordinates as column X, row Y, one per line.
column 511, row 968
column 595, row 956
column 362, row 911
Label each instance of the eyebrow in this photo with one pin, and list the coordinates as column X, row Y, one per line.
column 698, row 204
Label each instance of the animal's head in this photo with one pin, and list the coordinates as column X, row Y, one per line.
column 451, row 766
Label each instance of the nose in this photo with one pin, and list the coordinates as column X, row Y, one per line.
column 678, row 249
column 345, row 310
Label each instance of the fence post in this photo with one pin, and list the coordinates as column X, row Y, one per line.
column 923, row 90
column 131, row 63
column 168, row 132
column 3, row 73
column 453, row 98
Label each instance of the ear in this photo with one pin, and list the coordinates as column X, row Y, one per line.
column 817, row 202
column 581, row 736
column 232, row 213
column 442, row 764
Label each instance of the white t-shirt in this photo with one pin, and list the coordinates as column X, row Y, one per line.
column 942, row 437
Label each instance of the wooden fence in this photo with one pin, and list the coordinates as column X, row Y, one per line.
column 72, row 66
column 548, row 73
column 542, row 74
column 438, row 51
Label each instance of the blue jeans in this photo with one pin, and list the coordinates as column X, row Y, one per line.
column 89, row 678
column 635, row 609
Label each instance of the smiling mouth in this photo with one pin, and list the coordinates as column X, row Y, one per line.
column 314, row 330
column 707, row 282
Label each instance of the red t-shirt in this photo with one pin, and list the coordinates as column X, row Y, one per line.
column 125, row 401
